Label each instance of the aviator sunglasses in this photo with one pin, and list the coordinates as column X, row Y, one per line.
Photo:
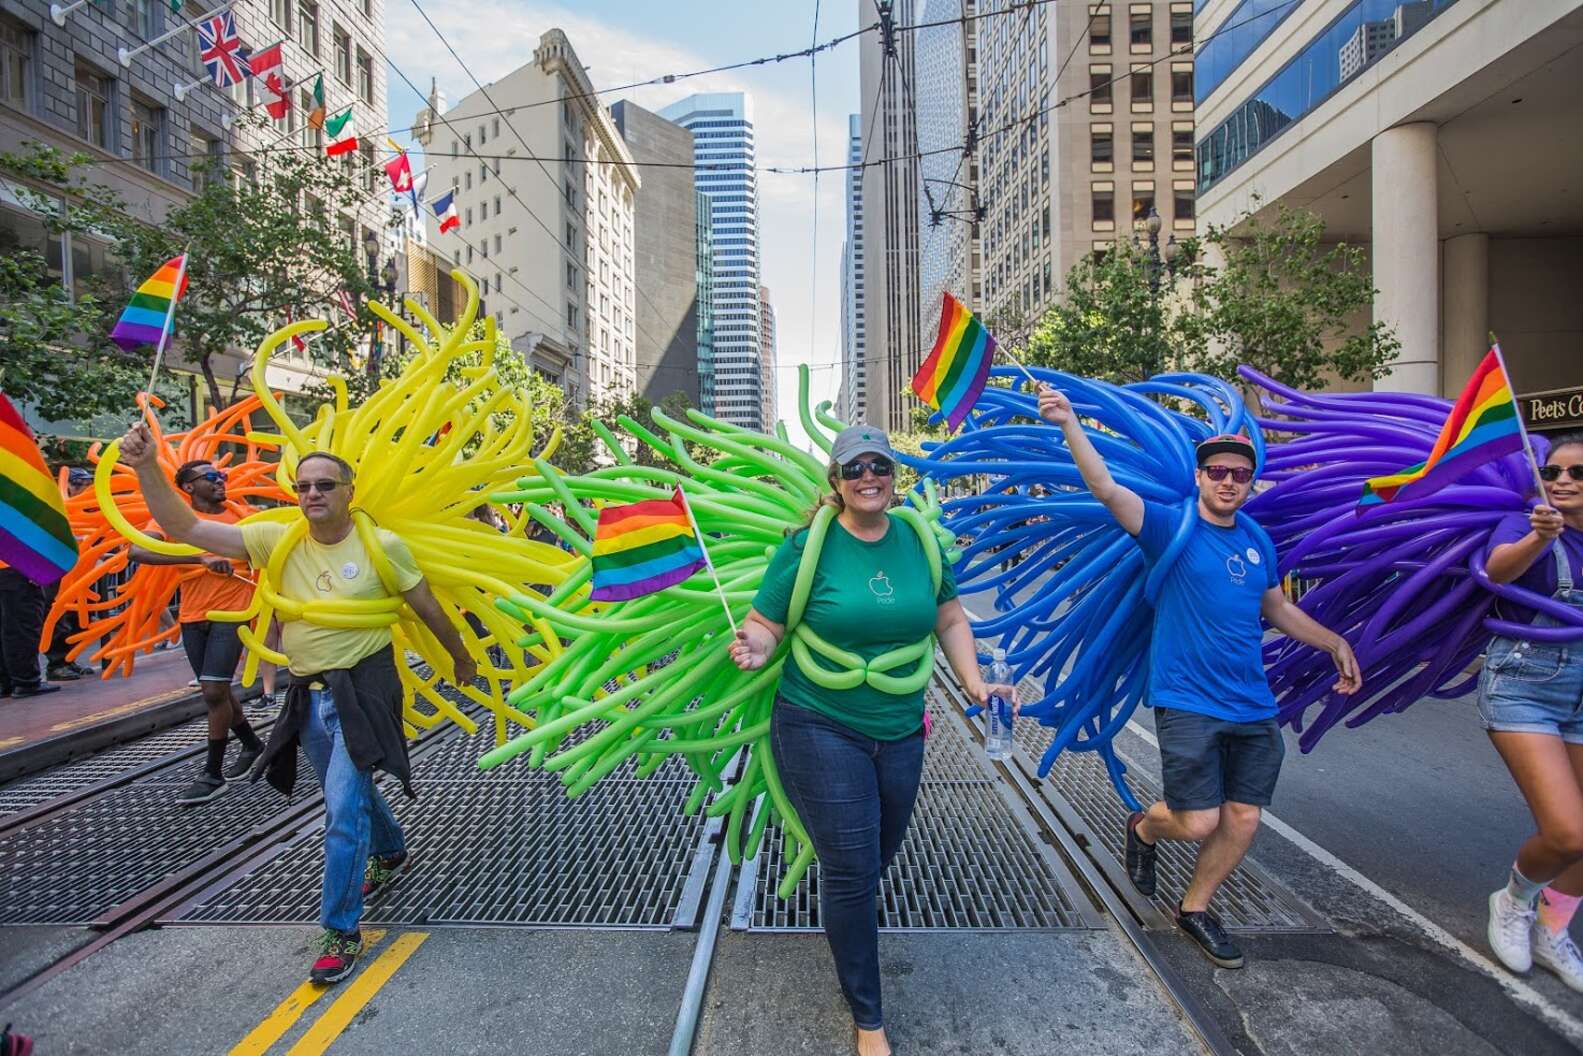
column 853, row 470
column 1551, row 474
column 323, row 487
column 1240, row 474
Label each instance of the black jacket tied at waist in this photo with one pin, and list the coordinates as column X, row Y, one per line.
column 367, row 699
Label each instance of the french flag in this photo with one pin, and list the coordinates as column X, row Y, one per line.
column 445, row 208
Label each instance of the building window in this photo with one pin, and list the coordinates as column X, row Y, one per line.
column 1140, row 27
column 483, row 248
column 1099, row 29
column 1102, row 152
column 1143, row 146
column 571, row 318
column 482, row 138
column 1143, row 88
column 496, row 127
column 1181, row 25
column 280, row 11
column 370, row 174
column 483, row 174
column 497, row 243
column 365, row 76
column 571, row 276
column 483, row 210
column 16, row 61
column 93, row 107
column 467, row 181
column 1182, row 147
column 1142, row 200
column 1099, row 94
column 204, row 166
column 368, row 8
column 1104, row 206
column 467, row 216
column 343, row 55
column 1182, row 199
column 1182, row 86
column 147, row 124
column 145, row 18
column 497, row 205
column 454, row 146
column 571, row 236
column 308, row 27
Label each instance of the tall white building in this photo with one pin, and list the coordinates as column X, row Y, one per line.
column 550, row 242
column 724, row 157
column 945, row 199
column 768, row 359
column 851, row 403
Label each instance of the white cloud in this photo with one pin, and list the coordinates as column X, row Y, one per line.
column 809, row 322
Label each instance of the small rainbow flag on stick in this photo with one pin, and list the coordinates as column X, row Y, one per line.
column 35, row 538
column 1483, row 425
column 951, row 379
column 147, row 319
column 643, row 547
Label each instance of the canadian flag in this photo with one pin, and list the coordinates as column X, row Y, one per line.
column 281, row 104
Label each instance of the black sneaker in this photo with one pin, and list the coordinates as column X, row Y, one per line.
column 338, row 953
column 63, row 673
column 243, row 763
column 35, row 691
column 382, row 871
column 1205, row 930
column 1140, row 857
column 204, row 787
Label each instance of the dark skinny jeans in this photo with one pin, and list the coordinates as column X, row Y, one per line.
column 854, row 795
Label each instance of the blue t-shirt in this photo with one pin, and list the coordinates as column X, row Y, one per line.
column 1206, row 654
column 1541, row 575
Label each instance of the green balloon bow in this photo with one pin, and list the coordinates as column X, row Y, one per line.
column 652, row 677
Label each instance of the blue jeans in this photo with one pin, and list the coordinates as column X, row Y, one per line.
column 357, row 820
column 855, row 797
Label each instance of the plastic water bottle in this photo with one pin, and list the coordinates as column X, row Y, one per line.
column 997, row 713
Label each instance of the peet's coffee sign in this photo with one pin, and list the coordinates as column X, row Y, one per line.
column 1556, row 409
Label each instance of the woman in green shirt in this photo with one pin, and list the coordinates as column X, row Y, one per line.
column 850, row 758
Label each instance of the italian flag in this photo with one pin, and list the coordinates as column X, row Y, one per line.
column 342, row 139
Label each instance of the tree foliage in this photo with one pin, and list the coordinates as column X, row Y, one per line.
column 1283, row 301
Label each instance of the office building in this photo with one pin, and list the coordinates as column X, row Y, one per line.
column 665, row 255
column 851, row 404
column 724, row 159
column 1450, row 155
column 552, row 244
column 145, row 123
column 703, row 277
column 768, row 359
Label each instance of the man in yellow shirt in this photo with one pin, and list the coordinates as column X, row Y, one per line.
column 344, row 704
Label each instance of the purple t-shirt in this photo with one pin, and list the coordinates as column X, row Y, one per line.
column 1541, row 575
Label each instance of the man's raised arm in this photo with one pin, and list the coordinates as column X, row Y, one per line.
column 175, row 517
column 1123, row 504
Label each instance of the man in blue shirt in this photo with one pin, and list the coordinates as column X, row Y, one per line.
column 1214, row 714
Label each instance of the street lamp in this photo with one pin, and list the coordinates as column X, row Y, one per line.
column 1159, row 264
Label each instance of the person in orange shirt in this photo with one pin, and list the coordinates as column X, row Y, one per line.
column 213, row 648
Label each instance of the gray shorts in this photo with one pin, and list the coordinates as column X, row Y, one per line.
column 1207, row 761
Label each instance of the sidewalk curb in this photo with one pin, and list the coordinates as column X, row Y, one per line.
column 73, row 744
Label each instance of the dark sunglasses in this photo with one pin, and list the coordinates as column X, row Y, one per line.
column 1551, row 474
column 853, row 470
column 1240, row 474
column 323, row 487
column 213, row 476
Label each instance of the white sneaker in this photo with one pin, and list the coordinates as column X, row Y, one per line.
column 1511, row 930
column 1559, row 954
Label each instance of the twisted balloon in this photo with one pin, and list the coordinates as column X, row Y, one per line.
column 425, row 453
column 651, row 678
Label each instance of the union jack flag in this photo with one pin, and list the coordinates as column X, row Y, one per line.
column 222, row 52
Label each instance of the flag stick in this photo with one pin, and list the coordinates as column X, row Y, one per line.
column 170, row 316
column 1018, row 364
column 1528, row 447
column 719, row 591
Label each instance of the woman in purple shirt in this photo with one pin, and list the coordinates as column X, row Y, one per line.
column 1531, row 702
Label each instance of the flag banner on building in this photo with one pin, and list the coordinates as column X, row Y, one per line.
column 347, row 305
column 280, row 105
column 222, row 52
column 316, row 114
column 957, row 369
column 297, row 341
column 343, row 140
column 35, row 537
column 1483, row 426
column 266, row 59
column 152, row 307
column 175, row 7
column 399, row 169
column 445, row 208
column 643, row 547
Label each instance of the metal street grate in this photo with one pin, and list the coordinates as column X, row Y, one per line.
column 503, row 848
column 1079, row 790
column 968, row 860
column 78, row 774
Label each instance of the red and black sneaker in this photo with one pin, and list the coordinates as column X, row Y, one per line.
column 338, row 956
column 14, row 1044
column 382, row 871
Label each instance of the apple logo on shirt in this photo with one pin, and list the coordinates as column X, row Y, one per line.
column 323, row 582
column 1237, row 569
column 880, row 587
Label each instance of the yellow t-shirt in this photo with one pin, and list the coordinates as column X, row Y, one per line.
column 342, row 571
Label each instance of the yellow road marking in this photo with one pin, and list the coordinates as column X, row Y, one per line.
column 357, row 994
column 7, row 742
column 275, row 1025
column 119, row 709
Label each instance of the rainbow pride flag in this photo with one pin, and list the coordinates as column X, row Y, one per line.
column 1483, row 425
column 35, row 538
column 153, row 306
column 951, row 379
column 643, row 547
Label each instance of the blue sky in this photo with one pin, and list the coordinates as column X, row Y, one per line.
column 629, row 41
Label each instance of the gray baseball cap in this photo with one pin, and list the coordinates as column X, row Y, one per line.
column 857, row 440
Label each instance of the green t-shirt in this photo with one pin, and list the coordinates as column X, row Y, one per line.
column 868, row 598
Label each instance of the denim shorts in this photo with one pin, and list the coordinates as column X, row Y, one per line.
column 1206, row 761
column 1533, row 687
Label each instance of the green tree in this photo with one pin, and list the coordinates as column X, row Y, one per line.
column 259, row 248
